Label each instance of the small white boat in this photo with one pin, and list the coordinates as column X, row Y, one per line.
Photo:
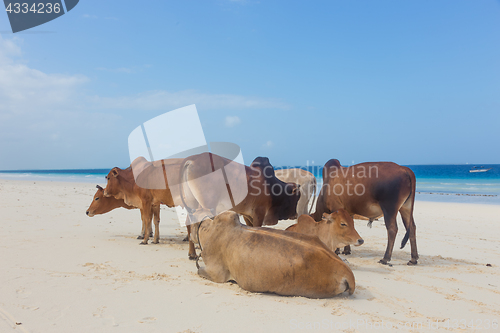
column 481, row 169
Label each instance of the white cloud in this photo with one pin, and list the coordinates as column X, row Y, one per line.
column 116, row 70
column 268, row 144
column 49, row 120
column 23, row 89
column 162, row 100
column 232, row 121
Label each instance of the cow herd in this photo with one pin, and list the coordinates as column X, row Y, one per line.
column 301, row 260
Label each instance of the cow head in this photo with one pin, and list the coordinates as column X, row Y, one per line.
column 101, row 204
column 340, row 226
column 266, row 168
column 114, row 186
column 289, row 203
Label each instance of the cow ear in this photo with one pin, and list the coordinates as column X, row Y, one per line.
column 99, row 187
column 114, row 172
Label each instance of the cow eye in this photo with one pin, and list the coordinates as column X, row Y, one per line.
column 96, row 199
column 343, row 224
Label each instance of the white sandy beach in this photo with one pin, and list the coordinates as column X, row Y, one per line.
column 62, row 271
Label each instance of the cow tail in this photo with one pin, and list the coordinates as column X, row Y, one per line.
column 405, row 238
column 314, row 195
column 182, row 180
column 411, row 196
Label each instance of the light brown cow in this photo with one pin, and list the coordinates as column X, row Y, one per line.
column 371, row 189
column 102, row 205
column 335, row 230
column 154, row 189
column 307, row 183
column 269, row 260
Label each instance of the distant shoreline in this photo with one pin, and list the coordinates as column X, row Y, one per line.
column 421, row 195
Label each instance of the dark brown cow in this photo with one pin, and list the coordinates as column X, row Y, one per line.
column 263, row 201
column 269, row 260
column 102, row 205
column 371, row 189
column 335, row 229
column 266, row 199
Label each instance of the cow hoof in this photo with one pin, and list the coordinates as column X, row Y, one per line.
column 412, row 263
column 185, row 239
column 192, row 257
column 140, row 237
column 143, row 243
column 337, row 251
column 384, row 262
column 346, row 252
column 155, row 242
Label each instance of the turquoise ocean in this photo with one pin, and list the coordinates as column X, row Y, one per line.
column 434, row 182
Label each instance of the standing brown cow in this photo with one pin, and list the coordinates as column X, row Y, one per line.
column 102, row 205
column 210, row 184
column 147, row 192
column 371, row 189
column 253, row 191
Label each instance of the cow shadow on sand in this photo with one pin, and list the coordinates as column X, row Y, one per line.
column 168, row 239
column 400, row 258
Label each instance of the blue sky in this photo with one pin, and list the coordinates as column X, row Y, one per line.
column 414, row 82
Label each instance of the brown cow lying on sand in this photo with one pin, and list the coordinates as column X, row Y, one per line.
column 335, row 230
column 371, row 189
column 102, row 205
column 269, row 260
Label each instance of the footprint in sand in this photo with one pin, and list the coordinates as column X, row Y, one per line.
column 23, row 293
column 147, row 320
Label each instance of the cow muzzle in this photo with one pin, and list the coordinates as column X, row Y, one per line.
column 359, row 242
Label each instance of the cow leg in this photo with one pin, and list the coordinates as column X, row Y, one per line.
column 156, row 219
column 214, row 271
column 141, row 236
column 392, row 230
column 146, row 216
column 409, row 222
column 192, row 251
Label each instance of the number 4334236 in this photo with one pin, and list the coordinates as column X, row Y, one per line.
column 36, row 8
